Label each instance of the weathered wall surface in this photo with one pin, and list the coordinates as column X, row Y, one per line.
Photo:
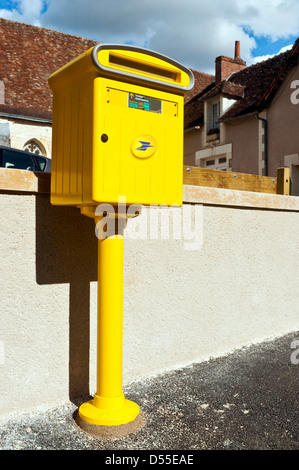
column 193, row 140
column 180, row 305
column 284, row 109
column 243, row 133
column 17, row 133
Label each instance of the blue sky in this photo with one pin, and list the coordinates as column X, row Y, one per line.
column 193, row 32
column 265, row 46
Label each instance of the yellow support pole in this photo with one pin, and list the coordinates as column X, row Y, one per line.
column 109, row 406
column 110, row 268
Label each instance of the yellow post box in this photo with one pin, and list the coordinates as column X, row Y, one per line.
column 117, row 134
column 118, row 115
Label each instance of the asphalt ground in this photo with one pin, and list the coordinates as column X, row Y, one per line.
column 247, row 400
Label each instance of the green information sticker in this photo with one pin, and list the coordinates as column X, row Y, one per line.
column 146, row 103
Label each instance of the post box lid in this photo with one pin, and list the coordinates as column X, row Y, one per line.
column 139, row 64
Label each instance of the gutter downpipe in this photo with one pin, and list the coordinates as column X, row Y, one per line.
column 265, row 141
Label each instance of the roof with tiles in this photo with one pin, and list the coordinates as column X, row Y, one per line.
column 253, row 88
column 201, row 81
column 29, row 55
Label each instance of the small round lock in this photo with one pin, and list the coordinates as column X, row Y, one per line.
column 104, row 138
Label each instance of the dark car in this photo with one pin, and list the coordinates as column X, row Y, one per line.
column 21, row 160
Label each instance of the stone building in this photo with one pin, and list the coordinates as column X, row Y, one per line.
column 29, row 55
column 247, row 119
column 243, row 119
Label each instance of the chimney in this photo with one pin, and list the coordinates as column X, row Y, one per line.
column 237, row 50
column 225, row 66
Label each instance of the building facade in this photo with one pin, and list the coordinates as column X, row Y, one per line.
column 29, row 55
column 247, row 119
column 243, row 119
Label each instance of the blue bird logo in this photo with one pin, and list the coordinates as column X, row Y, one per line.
column 144, row 145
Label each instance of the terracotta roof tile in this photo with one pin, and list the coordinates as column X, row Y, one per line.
column 255, row 80
column 29, row 55
column 202, row 80
column 291, row 60
column 229, row 89
column 252, row 88
column 194, row 112
column 194, row 109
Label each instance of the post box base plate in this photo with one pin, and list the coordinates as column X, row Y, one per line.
column 120, row 411
column 109, row 423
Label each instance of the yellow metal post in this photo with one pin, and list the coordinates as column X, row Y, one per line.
column 117, row 132
column 110, row 318
column 109, row 406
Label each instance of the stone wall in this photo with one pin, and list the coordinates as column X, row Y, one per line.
column 182, row 303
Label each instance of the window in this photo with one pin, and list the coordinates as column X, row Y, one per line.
column 216, row 163
column 216, row 115
column 34, row 146
column 213, row 116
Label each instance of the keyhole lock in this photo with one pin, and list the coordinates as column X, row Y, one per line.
column 104, row 138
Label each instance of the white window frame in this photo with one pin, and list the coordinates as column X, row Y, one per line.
column 215, row 152
column 212, row 116
column 216, row 163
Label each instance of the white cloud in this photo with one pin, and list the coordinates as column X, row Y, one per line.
column 31, row 9
column 268, row 56
column 193, row 32
column 6, row 14
column 272, row 18
column 190, row 31
column 28, row 11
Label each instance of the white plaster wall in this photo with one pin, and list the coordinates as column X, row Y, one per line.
column 21, row 132
column 35, row 362
column 239, row 288
column 180, row 306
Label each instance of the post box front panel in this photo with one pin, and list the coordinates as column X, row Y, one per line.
column 137, row 144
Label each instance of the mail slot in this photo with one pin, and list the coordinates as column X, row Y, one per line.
column 118, row 127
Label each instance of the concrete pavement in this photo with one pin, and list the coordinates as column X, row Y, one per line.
column 246, row 400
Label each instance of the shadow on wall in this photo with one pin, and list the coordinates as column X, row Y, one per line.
column 66, row 252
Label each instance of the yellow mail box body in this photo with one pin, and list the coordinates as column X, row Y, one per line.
column 118, row 128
